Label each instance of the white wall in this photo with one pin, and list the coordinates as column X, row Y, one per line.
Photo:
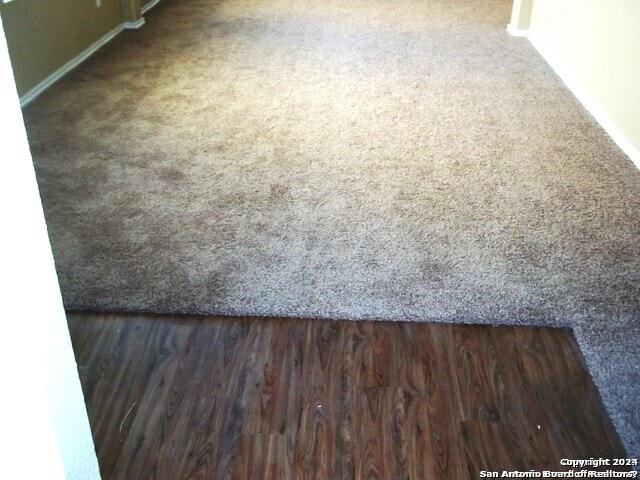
column 44, row 430
column 594, row 45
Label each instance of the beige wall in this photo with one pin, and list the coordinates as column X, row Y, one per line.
column 596, row 44
column 43, row 35
column 520, row 15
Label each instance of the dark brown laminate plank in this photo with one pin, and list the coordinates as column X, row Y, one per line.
column 214, row 436
column 263, row 456
column 552, row 390
column 437, row 415
column 235, row 398
column 146, row 452
column 115, row 356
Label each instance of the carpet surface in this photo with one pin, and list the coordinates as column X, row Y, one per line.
column 402, row 160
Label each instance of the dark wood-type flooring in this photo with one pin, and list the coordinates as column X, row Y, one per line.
column 254, row 398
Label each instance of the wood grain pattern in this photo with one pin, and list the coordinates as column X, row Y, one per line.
column 254, row 398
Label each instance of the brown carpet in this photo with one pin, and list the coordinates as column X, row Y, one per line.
column 381, row 160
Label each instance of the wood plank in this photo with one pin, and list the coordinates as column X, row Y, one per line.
column 161, row 416
column 264, row 456
column 437, row 414
column 213, row 389
column 476, row 372
column 552, row 390
column 274, row 398
column 115, row 358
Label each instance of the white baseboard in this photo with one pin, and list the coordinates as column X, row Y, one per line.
column 585, row 99
column 134, row 25
column 74, row 62
column 516, row 32
column 149, row 6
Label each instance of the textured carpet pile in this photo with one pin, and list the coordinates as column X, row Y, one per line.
column 382, row 160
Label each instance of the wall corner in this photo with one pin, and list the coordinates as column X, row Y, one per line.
column 132, row 12
column 520, row 17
